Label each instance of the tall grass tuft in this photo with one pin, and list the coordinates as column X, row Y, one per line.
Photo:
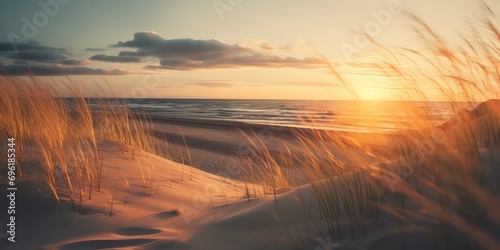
column 67, row 132
column 424, row 170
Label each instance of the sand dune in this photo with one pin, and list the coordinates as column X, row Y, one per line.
column 143, row 220
column 148, row 202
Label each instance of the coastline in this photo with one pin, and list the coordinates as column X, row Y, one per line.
column 174, row 206
column 216, row 146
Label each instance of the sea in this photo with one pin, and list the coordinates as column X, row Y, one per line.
column 353, row 116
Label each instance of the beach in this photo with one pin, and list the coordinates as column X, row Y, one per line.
column 218, row 146
column 249, row 125
column 149, row 202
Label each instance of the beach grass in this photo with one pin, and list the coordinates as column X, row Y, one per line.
column 67, row 133
column 430, row 171
column 433, row 172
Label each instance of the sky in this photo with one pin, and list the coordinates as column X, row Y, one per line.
column 274, row 49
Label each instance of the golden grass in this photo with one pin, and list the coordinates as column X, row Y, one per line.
column 437, row 169
column 67, row 132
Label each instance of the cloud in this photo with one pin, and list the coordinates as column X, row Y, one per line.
column 39, row 56
column 32, row 51
column 212, row 84
column 119, row 58
column 74, row 62
column 44, row 61
column 31, row 45
column 260, row 45
column 237, row 61
column 311, row 84
column 190, row 54
column 267, row 46
column 54, row 70
column 95, row 49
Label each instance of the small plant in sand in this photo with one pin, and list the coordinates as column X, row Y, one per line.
column 263, row 168
column 67, row 132
column 175, row 212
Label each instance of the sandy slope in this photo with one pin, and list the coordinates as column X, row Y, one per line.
column 142, row 215
column 141, row 209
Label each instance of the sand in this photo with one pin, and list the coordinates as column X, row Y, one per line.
column 167, row 205
column 216, row 146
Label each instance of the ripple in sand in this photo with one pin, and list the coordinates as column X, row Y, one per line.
column 135, row 231
column 104, row 244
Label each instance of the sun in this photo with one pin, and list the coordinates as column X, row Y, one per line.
column 370, row 94
column 373, row 96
